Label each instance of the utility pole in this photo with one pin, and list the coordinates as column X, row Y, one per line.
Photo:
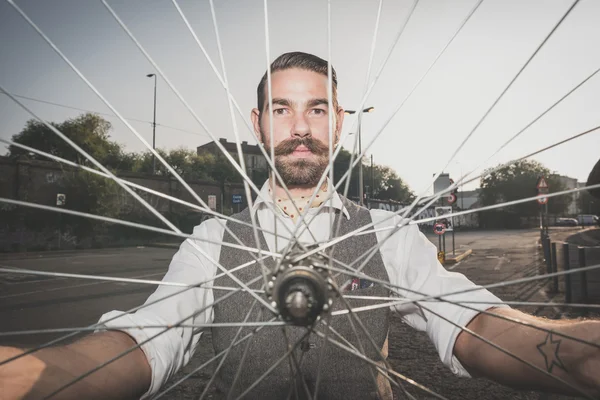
column 360, row 166
column 372, row 177
column 153, row 126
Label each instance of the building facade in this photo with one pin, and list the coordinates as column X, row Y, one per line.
column 253, row 157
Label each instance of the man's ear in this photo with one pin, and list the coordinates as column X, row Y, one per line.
column 339, row 122
column 255, row 117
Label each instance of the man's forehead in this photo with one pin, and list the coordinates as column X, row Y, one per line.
column 295, row 79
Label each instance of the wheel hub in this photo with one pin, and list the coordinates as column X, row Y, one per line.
column 301, row 291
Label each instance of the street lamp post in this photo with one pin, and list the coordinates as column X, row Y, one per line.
column 360, row 166
column 153, row 126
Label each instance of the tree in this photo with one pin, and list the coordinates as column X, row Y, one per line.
column 517, row 181
column 386, row 185
column 88, row 131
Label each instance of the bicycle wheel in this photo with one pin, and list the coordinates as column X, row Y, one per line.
column 292, row 309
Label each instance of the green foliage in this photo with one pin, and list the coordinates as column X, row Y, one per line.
column 88, row 131
column 518, row 181
column 383, row 182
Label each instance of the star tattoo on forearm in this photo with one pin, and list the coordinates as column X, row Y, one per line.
column 549, row 349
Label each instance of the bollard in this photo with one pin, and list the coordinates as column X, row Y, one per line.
column 554, row 269
column 567, row 276
column 546, row 244
column 582, row 263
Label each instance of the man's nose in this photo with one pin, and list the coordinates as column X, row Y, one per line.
column 301, row 128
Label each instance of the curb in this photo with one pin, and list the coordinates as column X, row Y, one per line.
column 164, row 245
column 459, row 258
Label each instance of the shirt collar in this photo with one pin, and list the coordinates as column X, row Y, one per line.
column 334, row 202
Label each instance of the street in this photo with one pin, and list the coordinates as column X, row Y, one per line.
column 34, row 302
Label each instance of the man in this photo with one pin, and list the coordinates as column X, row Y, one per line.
column 299, row 124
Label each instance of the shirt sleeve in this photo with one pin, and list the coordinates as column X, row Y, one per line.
column 169, row 351
column 411, row 260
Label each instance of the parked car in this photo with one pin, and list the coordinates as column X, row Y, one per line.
column 567, row 222
column 587, row 219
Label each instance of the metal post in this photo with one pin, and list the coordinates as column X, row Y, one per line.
column 547, row 254
column 584, row 288
column 154, row 130
column 439, row 242
column 372, row 178
column 567, row 276
column 546, row 212
column 453, row 248
column 554, row 269
column 360, row 166
column 444, row 242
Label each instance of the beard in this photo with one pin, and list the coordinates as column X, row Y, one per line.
column 301, row 171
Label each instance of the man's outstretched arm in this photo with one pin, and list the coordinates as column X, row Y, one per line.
column 574, row 362
column 36, row 375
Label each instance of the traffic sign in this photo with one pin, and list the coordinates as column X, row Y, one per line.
column 542, row 184
column 236, row 199
column 439, row 228
column 451, row 198
column 61, row 199
column 542, row 200
column 212, row 201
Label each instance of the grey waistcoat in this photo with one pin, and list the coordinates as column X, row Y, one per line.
column 343, row 375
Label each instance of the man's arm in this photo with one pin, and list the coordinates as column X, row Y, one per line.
column 36, row 375
column 574, row 362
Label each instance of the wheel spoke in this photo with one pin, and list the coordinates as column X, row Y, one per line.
column 269, row 159
column 93, row 161
column 196, row 370
column 508, row 353
column 124, row 327
column 169, row 167
column 100, row 325
column 117, row 279
column 263, row 268
column 224, row 357
column 138, row 345
column 377, row 366
column 365, row 97
column 133, row 224
column 272, row 368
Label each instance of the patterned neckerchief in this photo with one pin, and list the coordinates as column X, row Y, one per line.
column 302, row 203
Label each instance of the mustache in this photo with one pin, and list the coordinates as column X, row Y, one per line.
column 288, row 146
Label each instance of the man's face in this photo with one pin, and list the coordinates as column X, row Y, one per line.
column 300, row 125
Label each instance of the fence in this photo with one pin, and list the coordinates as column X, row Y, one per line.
column 578, row 286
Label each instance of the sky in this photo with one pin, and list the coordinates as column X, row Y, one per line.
column 417, row 141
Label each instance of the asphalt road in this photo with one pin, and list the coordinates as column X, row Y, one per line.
column 37, row 302
column 30, row 302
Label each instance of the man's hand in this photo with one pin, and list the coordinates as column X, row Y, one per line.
column 38, row 374
column 558, row 357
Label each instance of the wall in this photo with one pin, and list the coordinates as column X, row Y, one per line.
column 40, row 181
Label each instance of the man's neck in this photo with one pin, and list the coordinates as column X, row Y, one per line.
column 295, row 190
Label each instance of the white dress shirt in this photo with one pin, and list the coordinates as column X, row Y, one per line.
column 409, row 257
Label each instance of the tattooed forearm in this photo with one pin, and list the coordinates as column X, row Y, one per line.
column 549, row 349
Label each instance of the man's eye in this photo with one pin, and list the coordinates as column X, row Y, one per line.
column 279, row 111
column 318, row 111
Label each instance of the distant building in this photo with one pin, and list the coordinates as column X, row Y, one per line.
column 571, row 183
column 441, row 183
column 253, row 157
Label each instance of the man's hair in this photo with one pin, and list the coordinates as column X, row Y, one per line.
column 305, row 61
